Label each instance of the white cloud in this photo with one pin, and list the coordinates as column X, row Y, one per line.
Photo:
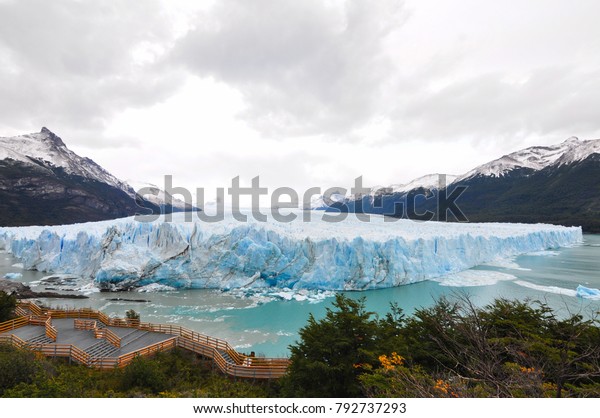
column 307, row 67
column 73, row 65
column 303, row 93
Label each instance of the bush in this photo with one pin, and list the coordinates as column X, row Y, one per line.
column 8, row 303
column 144, row 374
column 16, row 366
column 324, row 362
column 131, row 314
column 452, row 349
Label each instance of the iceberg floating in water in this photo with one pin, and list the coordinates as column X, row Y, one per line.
column 347, row 255
column 587, row 292
column 469, row 278
column 549, row 289
column 13, row 276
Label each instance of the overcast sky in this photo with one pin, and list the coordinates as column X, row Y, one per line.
column 302, row 93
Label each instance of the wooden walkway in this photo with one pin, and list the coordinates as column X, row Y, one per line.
column 93, row 339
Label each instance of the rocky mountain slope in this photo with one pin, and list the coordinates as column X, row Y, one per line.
column 42, row 182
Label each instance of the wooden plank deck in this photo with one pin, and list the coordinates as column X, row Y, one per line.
column 27, row 332
column 92, row 338
column 134, row 339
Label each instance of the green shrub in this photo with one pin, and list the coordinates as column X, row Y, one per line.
column 16, row 366
column 8, row 303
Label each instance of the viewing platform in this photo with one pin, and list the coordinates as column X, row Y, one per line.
column 93, row 339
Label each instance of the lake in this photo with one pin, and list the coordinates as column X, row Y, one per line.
column 268, row 323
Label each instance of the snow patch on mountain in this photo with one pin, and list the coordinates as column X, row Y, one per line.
column 429, row 181
column 154, row 194
column 537, row 158
column 322, row 202
column 47, row 148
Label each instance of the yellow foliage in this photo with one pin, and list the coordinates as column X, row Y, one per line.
column 528, row 370
column 441, row 386
column 389, row 363
column 444, row 387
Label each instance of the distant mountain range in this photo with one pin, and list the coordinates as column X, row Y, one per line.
column 42, row 182
column 557, row 184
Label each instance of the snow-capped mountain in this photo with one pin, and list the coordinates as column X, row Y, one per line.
column 42, row 182
column 48, row 149
column 428, row 182
column 537, row 158
column 552, row 184
column 154, row 194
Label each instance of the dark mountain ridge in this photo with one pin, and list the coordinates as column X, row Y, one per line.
column 42, row 182
column 557, row 184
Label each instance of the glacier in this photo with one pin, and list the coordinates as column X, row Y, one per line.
column 348, row 255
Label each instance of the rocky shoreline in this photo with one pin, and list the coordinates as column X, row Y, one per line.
column 22, row 291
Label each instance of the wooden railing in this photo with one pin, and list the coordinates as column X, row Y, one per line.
column 13, row 339
column 216, row 343
column 19, row 311
column 265, row 369
column 64, row 350
column 186, row 333
column 25, row 305
column 125, row 359
column 51, row 332
column 91, row 314
column 85, row 324
column 36, row 310
column 108, row 335
column 104, row 333
column 123, row 322
column 80, row 356
column 14, row 324
column 39, row 321
column 49, row 350
column 85, row 319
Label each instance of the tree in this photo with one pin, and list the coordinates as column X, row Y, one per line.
column 144, row 374
column 8, row 303
column 506, row 349
column 16, row 366
column 452, row 349
column 131, row 314
column 331, row 353
column 568, row 351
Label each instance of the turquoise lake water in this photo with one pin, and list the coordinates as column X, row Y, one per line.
column 267, row 324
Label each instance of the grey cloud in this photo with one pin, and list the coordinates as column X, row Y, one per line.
column 303, row 67
column 70, row 63
column 551, row 102
column 289, row 169
column 97, row 140
column 77, row 38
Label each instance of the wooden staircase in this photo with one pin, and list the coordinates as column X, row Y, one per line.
column 101, row 349
column 39, row 340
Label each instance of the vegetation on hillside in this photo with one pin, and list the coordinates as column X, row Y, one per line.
column 177, row 373
column 452, row 349
column 8, row 303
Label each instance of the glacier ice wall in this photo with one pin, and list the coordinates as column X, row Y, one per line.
column 352, row 254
